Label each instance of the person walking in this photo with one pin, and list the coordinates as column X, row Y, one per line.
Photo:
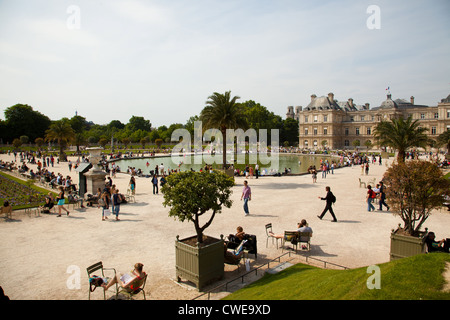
column 61, row 201
column 155, row 184
column 105, row 205
column 383, row 197
column 329, row 200
column 116, row 200
column 247, row 196
column 371, row 195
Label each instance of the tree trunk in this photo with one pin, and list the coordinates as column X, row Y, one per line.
column 224, row 148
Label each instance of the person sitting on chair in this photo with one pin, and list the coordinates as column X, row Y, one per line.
column 301, row 227
column 231, row 257
column 7, row 209
column 127, row 281
column 437, row 246
column 240, row 233
column 49, row 203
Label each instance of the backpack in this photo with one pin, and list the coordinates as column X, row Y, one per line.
column 95, row 282
column 332, row 197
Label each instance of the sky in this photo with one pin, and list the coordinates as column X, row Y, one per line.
column 113, row 59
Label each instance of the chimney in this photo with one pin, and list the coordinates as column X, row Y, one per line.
column 331, row 97
column 366, row 106
column 290, row 113
column 313, row 96
column 350, row 102
column 412, row 100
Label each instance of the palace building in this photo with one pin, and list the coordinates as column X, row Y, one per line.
column 326, row 122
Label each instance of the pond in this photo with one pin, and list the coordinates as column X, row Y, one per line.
column 297, row 163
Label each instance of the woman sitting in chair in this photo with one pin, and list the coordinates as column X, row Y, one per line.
column 127, row 281
column 6, row 209
column 49, row 204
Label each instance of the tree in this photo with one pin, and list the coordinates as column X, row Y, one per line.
column 126, row 142
column 159, row 142
column 138, row 123
column 16, row 143
column 223, row 112
column 444, row 140
column 368, row 144
column 190, row 195
column 414, row 188
column 79, row 125
column 259, row 117
column 24, row 139
column 116, row 124
column 62, row 132
column 401, row 135
column 22, row 120
column 289, row 131
column 356, row 143
column 143, row 142
column 39, row 142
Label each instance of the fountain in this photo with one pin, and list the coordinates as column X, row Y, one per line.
column 95, row 178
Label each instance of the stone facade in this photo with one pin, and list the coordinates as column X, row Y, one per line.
column 326, row 122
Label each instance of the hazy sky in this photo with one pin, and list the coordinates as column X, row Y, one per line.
column 161, row 60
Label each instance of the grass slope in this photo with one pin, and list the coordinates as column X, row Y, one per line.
column 413, row 278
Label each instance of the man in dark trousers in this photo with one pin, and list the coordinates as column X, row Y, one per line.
column 329, row 199
column 382, row 197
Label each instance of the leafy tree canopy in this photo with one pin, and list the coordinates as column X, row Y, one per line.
column 22, row 120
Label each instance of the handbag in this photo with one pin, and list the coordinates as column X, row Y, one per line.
column 94, row 282
column 106, row 212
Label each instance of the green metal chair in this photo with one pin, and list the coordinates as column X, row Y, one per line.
column 292, row 237
column 95, row 268
column 139, row 284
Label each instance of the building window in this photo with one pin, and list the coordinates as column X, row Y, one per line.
column 315, row 118
column 346, row 143
column 422, row 116
column 315, row 143
column 325, row 131
column 373, row 118
column 369, row 130
column 436, row 115
column 306, row 143
column 315, row 131
column 306, row 131
column 325, row 118
column 362, row 118
column 433, row 130
column 306, row 118
column 448, row 113
column 346, row 131
column 352, row 118
column 357, row 131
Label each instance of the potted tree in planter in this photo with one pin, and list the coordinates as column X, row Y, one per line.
column 413, row 189
column 191, row 195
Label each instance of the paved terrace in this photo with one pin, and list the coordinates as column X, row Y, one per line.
column 36, row 252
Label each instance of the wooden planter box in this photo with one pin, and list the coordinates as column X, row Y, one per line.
column 200, row 264
column 403, row 246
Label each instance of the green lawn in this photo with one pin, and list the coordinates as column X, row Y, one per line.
column 21, row 194
column 414, row 278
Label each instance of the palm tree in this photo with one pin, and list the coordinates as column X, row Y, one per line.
column 62, row 132
column 223, row 112
column 400, row 134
